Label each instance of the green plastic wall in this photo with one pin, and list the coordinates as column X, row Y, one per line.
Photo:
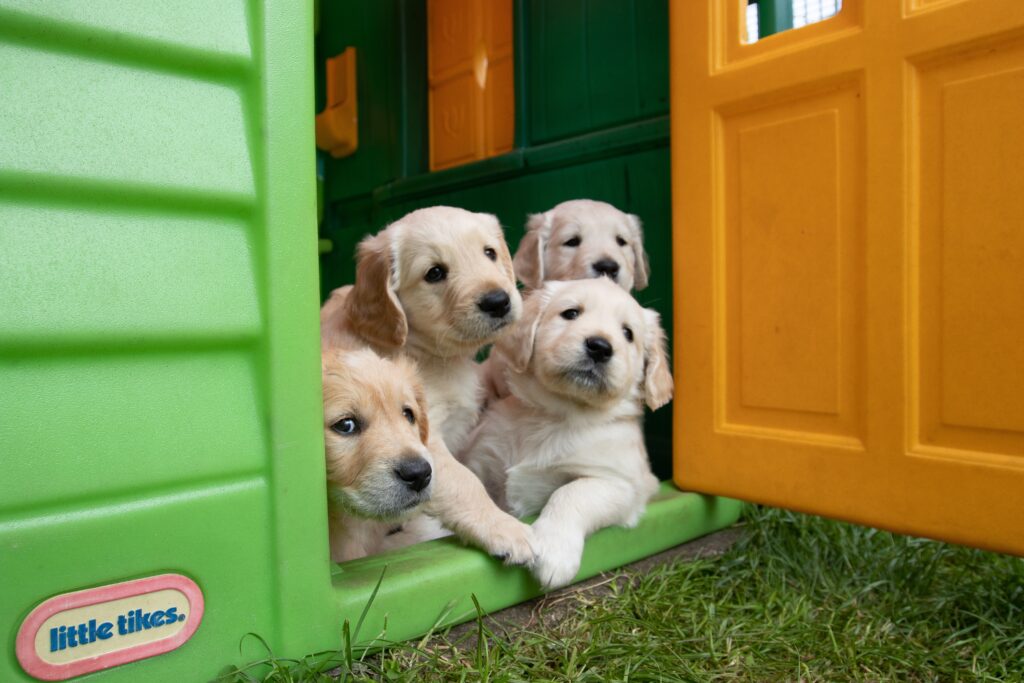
column 592, row 121
column 160, row 405
column 391, row 74
column 159, row 385
column 593, row 64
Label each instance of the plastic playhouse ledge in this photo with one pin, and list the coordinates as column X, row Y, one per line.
column 430, row 584
column 633, row 136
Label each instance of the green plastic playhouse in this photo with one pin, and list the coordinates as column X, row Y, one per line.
column 159, row 382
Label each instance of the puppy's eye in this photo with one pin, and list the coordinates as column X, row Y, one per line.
column 620, row 241
column 436, row 274
column 347, row 426
column 490, row 253
column 628, row 331
column 574, row 242
column 409, row 415
column 571, row 313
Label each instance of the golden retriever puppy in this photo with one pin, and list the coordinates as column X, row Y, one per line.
column 435, row 286
column 379, row 469
column 581, row 239
column 568, row 442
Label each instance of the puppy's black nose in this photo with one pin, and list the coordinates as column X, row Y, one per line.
column 415, row 472
column 606, row 267
column 495, row 304
column 599, row 349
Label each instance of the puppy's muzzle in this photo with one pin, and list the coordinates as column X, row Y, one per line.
column 414, row 472
column 495, row 303
column 606, row 267
column 598, row 349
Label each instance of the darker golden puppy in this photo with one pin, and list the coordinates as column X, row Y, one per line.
column 379, row 469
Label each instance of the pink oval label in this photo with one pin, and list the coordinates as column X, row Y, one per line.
column 85, row 631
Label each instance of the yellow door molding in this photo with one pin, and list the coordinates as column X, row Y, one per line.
column 849, row 263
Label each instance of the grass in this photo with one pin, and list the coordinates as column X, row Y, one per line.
column 797, row 598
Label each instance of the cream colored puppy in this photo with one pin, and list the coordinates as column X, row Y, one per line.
column 379, row 469
column 568, row 441
column 581, row 239
column 435, row 286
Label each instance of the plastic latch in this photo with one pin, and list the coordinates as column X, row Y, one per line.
column 337, row 126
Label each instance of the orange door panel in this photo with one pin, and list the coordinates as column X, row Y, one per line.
column 469, row 45
column 849, row 247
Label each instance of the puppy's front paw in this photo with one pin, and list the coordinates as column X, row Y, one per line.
column 511, row 541
column 558, row 557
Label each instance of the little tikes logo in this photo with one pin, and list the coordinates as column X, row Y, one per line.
column 86, row 634
column 85, row 631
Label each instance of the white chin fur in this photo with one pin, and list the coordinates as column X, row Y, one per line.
column 389, row 503
column 481, row 329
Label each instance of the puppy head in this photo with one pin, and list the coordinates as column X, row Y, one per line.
column 591, row 342
column 375, row 432
column 582, row 239
column 440, row 277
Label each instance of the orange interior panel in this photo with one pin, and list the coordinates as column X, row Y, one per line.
column 849, row 263
column 471, row 96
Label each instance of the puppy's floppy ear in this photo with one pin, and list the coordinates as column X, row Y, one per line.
column 529, row 259
column 374, row 310
column 516, row 345
column 641, row 267
column 504, row 256
column 421, row 420
column 658, row 383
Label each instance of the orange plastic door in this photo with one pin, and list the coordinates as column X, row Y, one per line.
column 849, row 246
column 470, row 79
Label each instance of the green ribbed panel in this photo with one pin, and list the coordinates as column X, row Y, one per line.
column 159, row 390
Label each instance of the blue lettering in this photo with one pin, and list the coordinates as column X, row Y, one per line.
column 90, row 631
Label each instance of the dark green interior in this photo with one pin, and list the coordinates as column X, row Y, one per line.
column 591, row 122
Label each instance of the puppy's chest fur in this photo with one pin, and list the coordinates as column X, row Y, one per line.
column 454, row 395
column 540, row 452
